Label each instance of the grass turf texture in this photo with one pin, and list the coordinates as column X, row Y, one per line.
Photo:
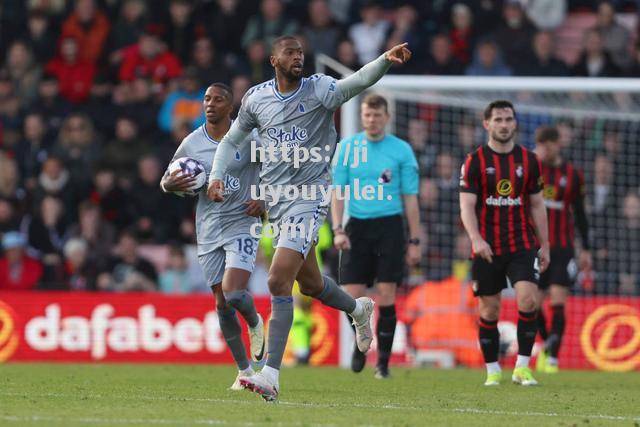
column 140, row 395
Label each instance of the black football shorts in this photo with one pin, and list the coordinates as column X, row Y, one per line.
column 491, row 278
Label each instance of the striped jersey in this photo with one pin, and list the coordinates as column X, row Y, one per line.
column 563, row 188
column 503, row 183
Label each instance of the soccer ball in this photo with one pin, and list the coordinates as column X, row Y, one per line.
column 188, row 165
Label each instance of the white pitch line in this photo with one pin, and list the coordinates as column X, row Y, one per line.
column 146, row 421
column 341, row 405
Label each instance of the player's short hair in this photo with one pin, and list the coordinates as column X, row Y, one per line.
column 224, row 87
column 277, row 42
column 373, row 100
column 547, row 134
column 498, row 105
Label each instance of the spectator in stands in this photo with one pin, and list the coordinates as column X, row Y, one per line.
column 78, row 146
column 129, row 25
column 175, row 278
column 405, row 29
column 624, row 246
column 47, row 236
column 90, row 27
column 54, row 180
column 269, row 24
column 33, row 149
column 488, row 61
column 75, row 76
column 616, row 39
column 9, row 112
column 346, row 55
column 128, row 271
column 149, row 59
column 122, row 154
column 546, row 15
column 441, row 60
column 240, row 84
column 53, row 107
column 425, row 152
column 99, row 235
column 515, row 36
column 113, row 201
column 136, row 100
column 369, row 36
column 594, row 60
column 10, row 188
column 227, row 26
column 257, row 66
column 155, row 212
column 41, row 36
column 80, row 272
column 8, row 218
column 462, row 34
column 18, row 271
column 543, row 63
column 180, row 34
column 56, row 9
column 208, row 65
column 185, row 103
column 24, row 71
column 634, row 68
column 321, row 34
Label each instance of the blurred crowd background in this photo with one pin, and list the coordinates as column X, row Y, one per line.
column 96, row 95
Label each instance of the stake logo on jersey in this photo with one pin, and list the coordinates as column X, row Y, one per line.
column 292, row 138
column 231, row 184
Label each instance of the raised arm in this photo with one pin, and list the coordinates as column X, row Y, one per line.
column 224, row 156
column 373, row 71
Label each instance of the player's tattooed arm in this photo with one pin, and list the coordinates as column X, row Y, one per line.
column 470, row 221
column 539, row 216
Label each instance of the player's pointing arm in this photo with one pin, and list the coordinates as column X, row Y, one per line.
column 370, row 73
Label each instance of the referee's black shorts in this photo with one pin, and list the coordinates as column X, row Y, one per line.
column 377, row 251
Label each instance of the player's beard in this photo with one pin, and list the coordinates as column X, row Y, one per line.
column 503, row 139
column 289, row 75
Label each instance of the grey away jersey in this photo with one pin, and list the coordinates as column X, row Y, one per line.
column 302, row 119
column 217, row 223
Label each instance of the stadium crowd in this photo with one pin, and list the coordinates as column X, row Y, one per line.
column 95, row 96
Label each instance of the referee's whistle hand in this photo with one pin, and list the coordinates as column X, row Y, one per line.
column 216, row 190
column 341, row 242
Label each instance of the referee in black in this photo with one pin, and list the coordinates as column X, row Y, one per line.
column 378, row 173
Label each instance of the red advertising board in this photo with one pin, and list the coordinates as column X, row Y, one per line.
column 86, row 327
column 601, row 333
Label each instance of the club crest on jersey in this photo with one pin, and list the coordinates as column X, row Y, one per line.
column 519, row 171
column 281, row 136
column 238, row 157
column 301, row 107
column 385, row 177
column 231, row 184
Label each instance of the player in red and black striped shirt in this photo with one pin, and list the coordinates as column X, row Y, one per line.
column 564, row 197
column 503, row 211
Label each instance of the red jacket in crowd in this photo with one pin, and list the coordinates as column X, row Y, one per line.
column 75, row 79
column 161, row 68
column 23, row 277
column 91, row 39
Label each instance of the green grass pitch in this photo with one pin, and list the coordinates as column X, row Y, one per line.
column 179, row 395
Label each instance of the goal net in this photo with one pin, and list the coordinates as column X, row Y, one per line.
column 599, row 124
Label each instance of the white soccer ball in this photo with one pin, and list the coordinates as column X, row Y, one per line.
column 188, row 165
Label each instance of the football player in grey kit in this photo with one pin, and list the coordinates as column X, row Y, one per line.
column 294, row 117
column 226, row 248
